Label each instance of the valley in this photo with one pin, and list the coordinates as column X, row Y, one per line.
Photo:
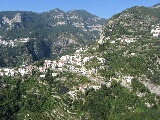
column 77, row 70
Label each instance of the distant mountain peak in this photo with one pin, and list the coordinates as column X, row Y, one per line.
column 17, row 18
column 133, row 22
column 56, row 10
column 156, row 5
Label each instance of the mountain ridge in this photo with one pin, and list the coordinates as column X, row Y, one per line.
column 156, row 5
column 115, row 77
column 17, row 27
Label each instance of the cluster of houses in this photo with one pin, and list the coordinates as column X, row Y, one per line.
column 74, row 92
column 126, row 19
column 22, row 70
column 74, row 63
column 71, row 62
column 7, row 72
column 125, row 81
column 156, row 32
column 5, row 43
column 12, row 42
column 82, row 88
column 23, row 40
column 124, row 40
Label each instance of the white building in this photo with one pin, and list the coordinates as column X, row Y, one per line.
column 95, row 87
column 1, row 73
column 60, row 64
column 21, row 71
column 47, row 63
column 42, row 76
column 73, row 94
column 41, row 69
column 127, row 80
column 65, row 58
column 11, row 72
column 156, row 32
column 54, row 74
column 54, row 64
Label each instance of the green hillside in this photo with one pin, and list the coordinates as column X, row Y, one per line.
column 116, row 77
column 55, row 28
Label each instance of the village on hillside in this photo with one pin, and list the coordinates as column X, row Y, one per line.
column 75, row 63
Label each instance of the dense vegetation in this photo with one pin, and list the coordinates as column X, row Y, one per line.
column 32, row 97
column 20, row 96
column 144, row 62
column 48, row 39
column 117, row 103
column 37, row 98
column 133, row 22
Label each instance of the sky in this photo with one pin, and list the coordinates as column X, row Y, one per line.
column 101, row 8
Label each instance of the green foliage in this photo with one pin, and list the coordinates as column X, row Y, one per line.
column 10, row 102
column 147, row 115
column 116, row 103
column 35, row 98
column 39, row 63
column 138, row 87
column 93, row 63
column 45, row 36
column 34, row 102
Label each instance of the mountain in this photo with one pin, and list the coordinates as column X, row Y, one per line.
column 79, row 18
column 133, row 22
column 30, row 21
column 156, row 5
column 131, row 35
column 61, row 33
column 116, row 77
column 129, row 44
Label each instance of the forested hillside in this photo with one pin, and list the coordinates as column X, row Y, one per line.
column 116, row 77
column 28, row 36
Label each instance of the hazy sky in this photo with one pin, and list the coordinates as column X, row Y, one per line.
column 101, row 8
